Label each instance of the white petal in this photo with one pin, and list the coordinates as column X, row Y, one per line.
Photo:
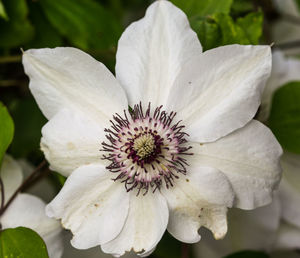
column 284, row 70
column 288, row 237
column 151, row 53
column 29, row 211
column 70, row 140
column 247, row 230
column 249, row 157
column 199, row 199
column 67, row 77
column 11, row 175
column 219, row 91
column 146, row 222
column 91, row 205
column 289, row 188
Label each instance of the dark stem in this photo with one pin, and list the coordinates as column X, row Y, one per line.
column 42, row 174
column 2, row 194
column 184, row 250
column 27, row 181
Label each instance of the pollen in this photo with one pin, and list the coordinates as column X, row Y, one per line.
column 144, row 145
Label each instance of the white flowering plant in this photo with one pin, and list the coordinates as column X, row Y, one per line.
column 140, row 128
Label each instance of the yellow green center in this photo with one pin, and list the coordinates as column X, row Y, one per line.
column 144, row 145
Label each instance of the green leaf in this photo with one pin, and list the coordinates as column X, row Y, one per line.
column 284, row 118
column 209, row 32
column 85, row 23
column 6, row 130
column 3, row 13
column 220, row 29
column 202, row 8
column 28, row 124
column 242, row 7
column 22, row 243
column 248, row 254
column 59, row 179
column 252, row 25
column 18, row 30
column 231, row 32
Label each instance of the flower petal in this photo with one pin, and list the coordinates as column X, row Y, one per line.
column 219, row 91
column 288, row 237
column 151, row 53
column 11, row 175
column 289, row 188
column 91, row 205
column 67, row 77
column 284, row 70
column 71, row 140
column 146, row 222
column 247, row 230
column 34, row 217
column 249, row 157
column 199, row 199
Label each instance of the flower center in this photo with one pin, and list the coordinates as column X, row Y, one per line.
column 144, row 145
column 146, row 150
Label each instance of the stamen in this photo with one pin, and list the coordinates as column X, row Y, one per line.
column 144, row 145
column 146, row 150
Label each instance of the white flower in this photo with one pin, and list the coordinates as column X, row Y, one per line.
column 157, row 183
column 27, row 210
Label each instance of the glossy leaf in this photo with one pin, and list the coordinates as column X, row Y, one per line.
column 285, row 116
column 22, row 242
column 252, row 25
column 220, row 29
column 6, row 130
column 202, row 8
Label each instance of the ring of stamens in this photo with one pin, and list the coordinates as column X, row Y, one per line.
column 146, row 150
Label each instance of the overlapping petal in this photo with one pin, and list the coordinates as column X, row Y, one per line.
column 247, row 230
column 67, row 77
column 199, row 199
column 91, row 205
column 219, row 91
column 289, row 188
column 29, row 211
column 249, row 157
column 11, row 175
column 152, row 51
column 70, row 139
column 288, row 237
column 145, row 224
